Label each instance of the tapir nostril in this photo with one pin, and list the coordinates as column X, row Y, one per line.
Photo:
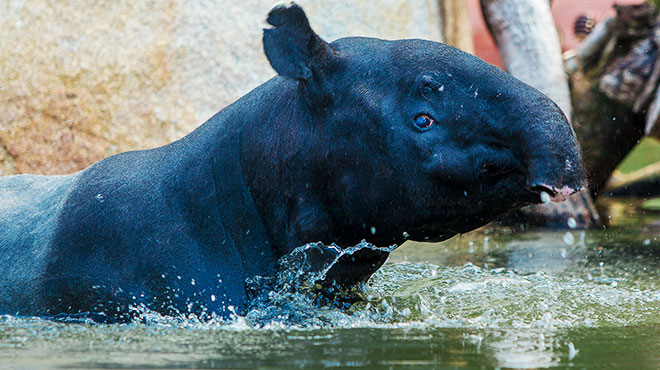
column 550, row 193
column 539, row 189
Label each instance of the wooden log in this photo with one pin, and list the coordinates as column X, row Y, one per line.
column 631, row 78
column 456, row 28
column 589, row 51
column 611, row 95
column 622, row 180
column 525, row 34
column 651, row 126
column 606, row 129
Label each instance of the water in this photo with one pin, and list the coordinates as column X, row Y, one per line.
column 490, row 299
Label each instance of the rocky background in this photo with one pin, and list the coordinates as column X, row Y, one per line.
column 84, row 79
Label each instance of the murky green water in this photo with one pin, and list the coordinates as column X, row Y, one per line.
column 490, row 299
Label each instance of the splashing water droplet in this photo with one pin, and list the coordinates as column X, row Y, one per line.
column 571, row 223
column 385, row 304
column 373, row 230
column 545, row 197
column 572, row 352
column 568, row 238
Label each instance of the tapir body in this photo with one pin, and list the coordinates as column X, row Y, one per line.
column 359, row 139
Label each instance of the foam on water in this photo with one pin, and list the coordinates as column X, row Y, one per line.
column 540, row 284
column 485, row 300
column 494, row 281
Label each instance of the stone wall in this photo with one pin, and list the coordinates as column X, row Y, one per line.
column 84, row 79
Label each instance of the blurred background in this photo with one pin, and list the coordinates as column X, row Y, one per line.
column 81, row 80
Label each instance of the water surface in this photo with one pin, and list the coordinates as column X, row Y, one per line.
column 489, row 299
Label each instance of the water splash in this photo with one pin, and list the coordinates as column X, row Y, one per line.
column 489, row 299
column 316, row 285
column 536, row 282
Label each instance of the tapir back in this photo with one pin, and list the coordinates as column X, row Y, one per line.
column 29, row 207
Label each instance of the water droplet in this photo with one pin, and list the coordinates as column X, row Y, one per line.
column 192, row 281
column 213, row 297
column 571, row 223
column 647, row 242
column 406, row 235
column 373, row 230
column 572, row 351
column 385, row 304
column 568, row 238
column 545, row 197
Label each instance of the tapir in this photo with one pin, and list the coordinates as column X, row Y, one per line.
column 358, row 139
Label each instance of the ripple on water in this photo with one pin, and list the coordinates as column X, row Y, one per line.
column 515, row 301
column 533, row 282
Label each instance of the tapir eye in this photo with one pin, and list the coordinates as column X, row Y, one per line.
column 423, row 122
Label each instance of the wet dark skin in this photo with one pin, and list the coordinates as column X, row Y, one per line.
column 359, row 139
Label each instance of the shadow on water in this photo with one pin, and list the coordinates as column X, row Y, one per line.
column 491, row 298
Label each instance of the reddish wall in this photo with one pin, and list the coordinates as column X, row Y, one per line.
column 564, row 12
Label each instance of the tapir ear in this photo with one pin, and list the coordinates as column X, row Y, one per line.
column 292, row 47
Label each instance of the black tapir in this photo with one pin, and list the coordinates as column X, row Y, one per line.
column 358, row 139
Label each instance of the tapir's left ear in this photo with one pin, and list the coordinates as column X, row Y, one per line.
column 292, row 47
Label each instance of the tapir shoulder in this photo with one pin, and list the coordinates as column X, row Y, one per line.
column 28, row 202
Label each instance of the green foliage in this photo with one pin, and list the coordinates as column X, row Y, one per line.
column 656, row 3
column 645, row 153
column 652, row 204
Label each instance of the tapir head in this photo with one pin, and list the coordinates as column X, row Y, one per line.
column 417, row 137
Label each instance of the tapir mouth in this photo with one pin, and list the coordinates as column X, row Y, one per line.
column 549, row 193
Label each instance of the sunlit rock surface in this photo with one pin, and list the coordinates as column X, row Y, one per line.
column 81, row 80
